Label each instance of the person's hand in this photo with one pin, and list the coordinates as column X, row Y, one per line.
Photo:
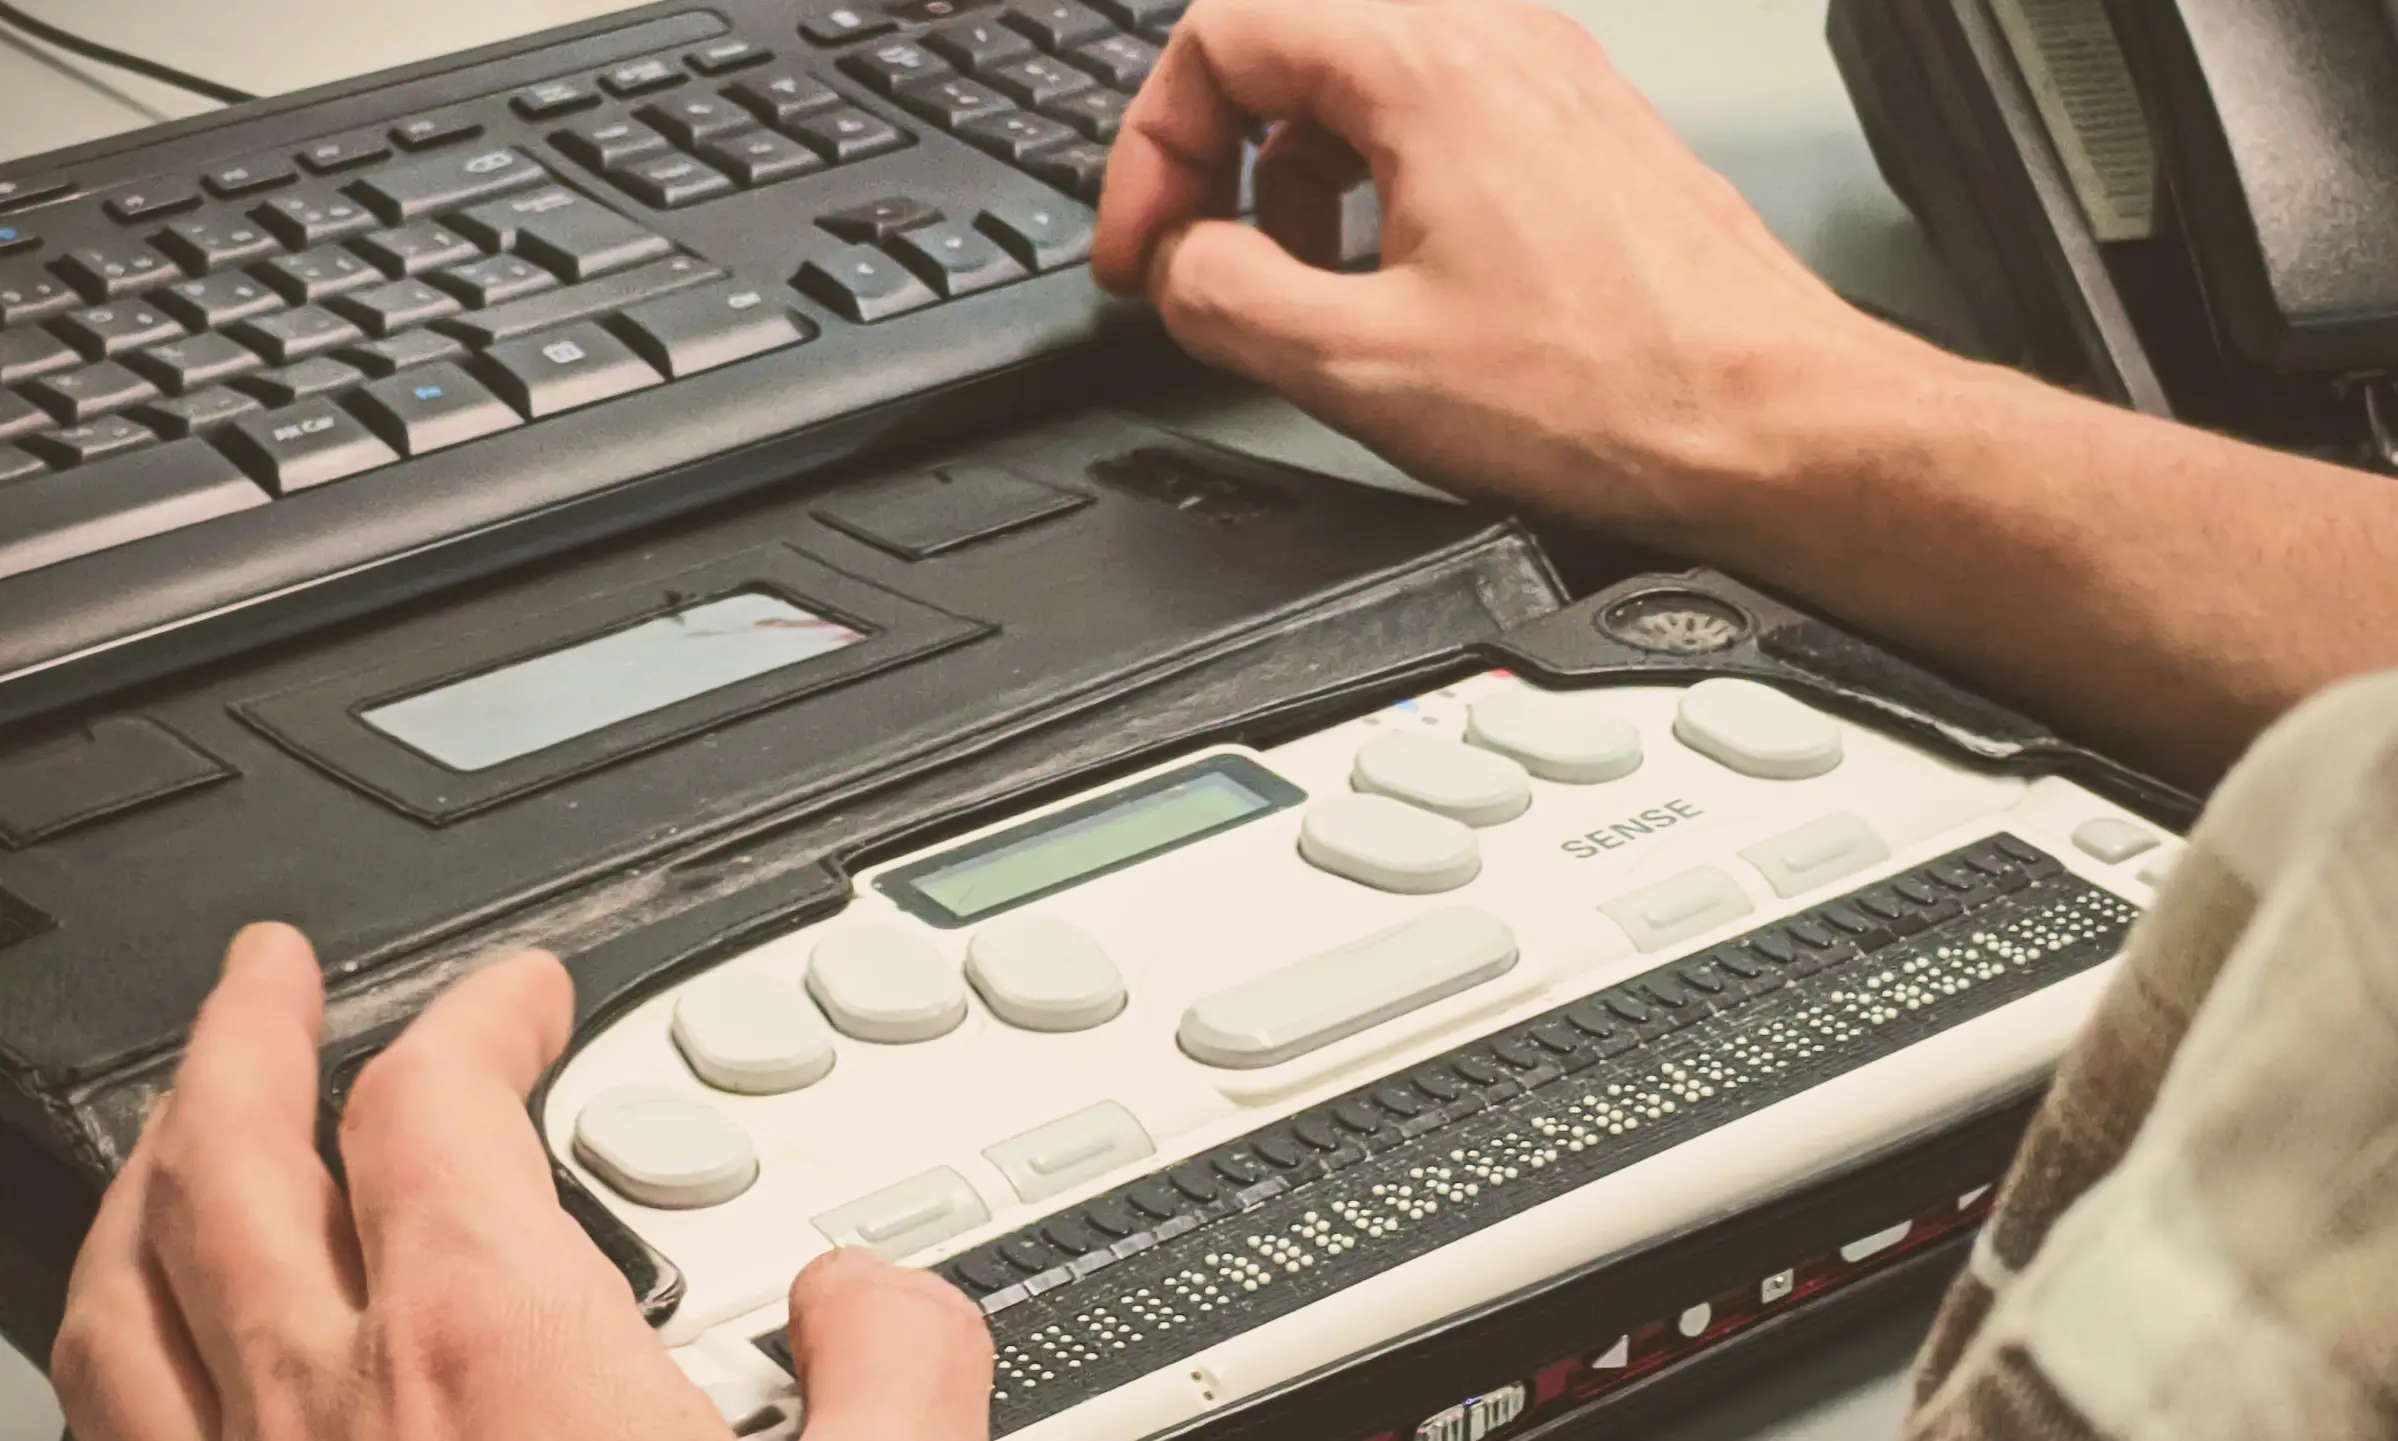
column 230, row 1289
column 1572, row 312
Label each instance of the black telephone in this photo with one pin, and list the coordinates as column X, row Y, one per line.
column 2186, row 206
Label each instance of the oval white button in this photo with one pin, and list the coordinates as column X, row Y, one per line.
column 1462, row 782
column 660, row 1148
column 1042, row 974
column 1757, row 730
column 1389, row 845
column 1568, row 738
column 752, row 1034
column 884, row 983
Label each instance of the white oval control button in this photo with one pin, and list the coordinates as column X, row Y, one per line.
column 1389, row 845
column 1569, row 738
column 2113, row 841
column 883, row 983
column 1042, row 974
column 1312, row 1003
column 751, row 1034
column 1461, row 782
column 658, row 1148
column 1757, row 730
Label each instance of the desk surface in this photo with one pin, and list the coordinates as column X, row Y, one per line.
column 1748, row 83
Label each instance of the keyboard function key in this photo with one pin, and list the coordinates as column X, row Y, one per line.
column 670, row 182
column 1446, row 777
column 408, row 191
column 432, row 408
column 1756, row 730
column 781, row 98
column 746, row 1032
column 553, row 98
column 844, row 24
column 564, row 370
column 409, row 348
column 199, row 412
column 1040, row 973
column 1570, row 739
column 879, row 220
column 1389, row 845
column 490, row 282
column 297, row 448
column 106, row 272
column 318, row 375
column 337, row 153
column 951, row 103
column 20, row 191
column 428, row 132
column 703, row 330
column 642, row 77
column 1097, row 113
column 761, row 158
column 955, row 259
column 25, row 354
column 1017, row 136
column 893, row 63
column 1120, row 60
column 886, row 983
column 29, row 293
column 289, row 335
column 79, row 397
column 110, row 330
column 849, row 134
column 151, row 490
column 248, row 177
column 150, row 203
column 1057, row 24
column 97, row 440
column 415, row 249
column 218, row 300
column 864, row 284
column 1079, row 169
column 725, row 56
column 693, row 120
column 318, row 274
column 1679, row 907
column 312, row 217
column 977, row 45
column 658, row 1148
column 1039, row 80
column 211, row 244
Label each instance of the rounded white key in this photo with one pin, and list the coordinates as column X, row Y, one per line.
column 660, row 1148
column 1042, row 974
column 2113, row 841
column 883, row 983
column 1464, row 783
column 1389, row 845
column 1757, row 730
column 1569, row 738
column 751, row 1034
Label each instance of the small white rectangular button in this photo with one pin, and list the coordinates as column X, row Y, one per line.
column 1817, row 853
column 1072, row 1149
column 898, row 1221
column 1678, row 908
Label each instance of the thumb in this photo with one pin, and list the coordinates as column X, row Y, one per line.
column 886, row 1353
column 1237, row 300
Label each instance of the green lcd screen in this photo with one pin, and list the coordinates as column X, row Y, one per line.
column 1045, row 856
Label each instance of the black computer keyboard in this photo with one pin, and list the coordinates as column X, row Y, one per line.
column 296, row 360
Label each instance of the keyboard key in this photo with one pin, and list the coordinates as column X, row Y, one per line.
column 290, row 335
column 25, row 354
column 78, row 397
column 344, row 152
column 704, row 329
column 1057, row 24
column 554, row 308
column 880, row 219
column 309, row 444
column 28, row 292
column 83, row 444
column 641, row 77
column 846, row 23
column 1039, row 80
column 107, row 330
column 213, row 243
column 605, row 144
column 489, row 282
column 847, row 134
column 415, row 249
column 581, row 365
column 951, row 103
column 408, row 191
column 864, row 284
column 1142, row 14
column 955, row 259
column 14, row 238
column 780, row 99
column 673, row 181
column 248, row 177
column 577, row 238
column 399, row 352
column 19, row 416
column 16, row 464
column 725, row 56
column 427, row 132
column 321, row 375
column 199, row 412
column 1097, row 113
column 693, row 120
column 183, row 366
column 1120, row 60
column 26, row 189
column 1078, row 169
column 761, row 158
column 554, row 97
column 976, row 45
column 217, row 301
column 1017, row 136
column 311, row 217
column 105, row 272
column 894, row 63
column 159, row 488
column 431, row 409
column 319, row 274
column 151, row 202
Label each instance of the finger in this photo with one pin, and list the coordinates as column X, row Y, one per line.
column 1235, row 299
column 247, row 1225
column 124, row 1365
column 888, row 1354
column 1302, row 172
column 443, row 1160
column 1339, row 63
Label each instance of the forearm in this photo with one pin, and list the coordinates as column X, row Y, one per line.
column 2161, row 592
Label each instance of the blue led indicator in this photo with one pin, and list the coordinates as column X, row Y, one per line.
column 7, row 236
column 1405, row 705
column 428, row 392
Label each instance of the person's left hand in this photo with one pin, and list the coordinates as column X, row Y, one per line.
column 230, row 1289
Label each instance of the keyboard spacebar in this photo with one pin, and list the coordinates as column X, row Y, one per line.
column 49, row 518
column 518, row 318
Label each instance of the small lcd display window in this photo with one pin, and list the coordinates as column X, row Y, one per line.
column 505, row 714
column 1074, row 845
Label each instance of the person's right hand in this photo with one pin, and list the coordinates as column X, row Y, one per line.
column 1572, row 312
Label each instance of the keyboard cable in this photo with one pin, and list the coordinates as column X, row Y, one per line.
column 107, row 55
